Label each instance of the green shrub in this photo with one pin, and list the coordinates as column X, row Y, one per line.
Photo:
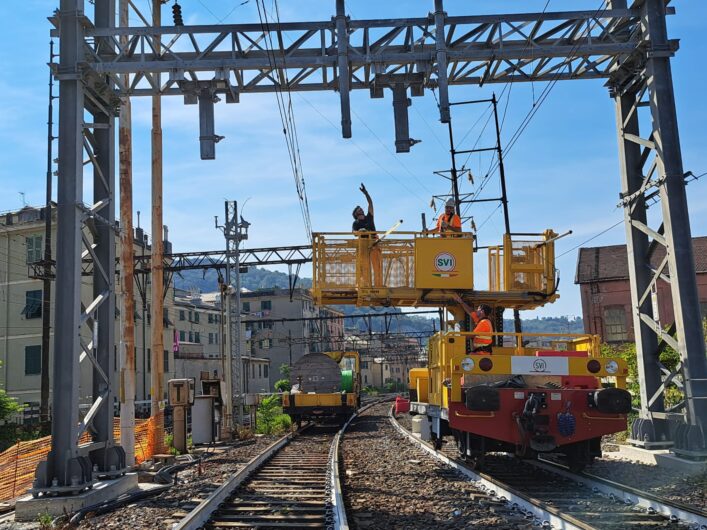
column 270, row 418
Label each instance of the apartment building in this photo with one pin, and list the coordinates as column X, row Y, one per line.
column 283, row 328
column 22, row 243
column 200, row 340
column 191, row 361
column 387, row 359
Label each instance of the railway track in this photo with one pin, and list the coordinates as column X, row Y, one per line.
column 294, row 483
column 555, row 497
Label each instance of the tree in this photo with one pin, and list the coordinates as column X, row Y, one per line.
column 8, row 405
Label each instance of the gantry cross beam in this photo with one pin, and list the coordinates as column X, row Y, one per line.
column 199, row 260
column 627, row 45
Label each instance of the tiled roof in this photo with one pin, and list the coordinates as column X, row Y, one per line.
column 611, row 263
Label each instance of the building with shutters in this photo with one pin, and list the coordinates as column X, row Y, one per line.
column 602, row 276
column 283, row 328
column 22, row 243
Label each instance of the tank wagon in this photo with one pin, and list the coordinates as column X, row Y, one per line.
column 325, row 387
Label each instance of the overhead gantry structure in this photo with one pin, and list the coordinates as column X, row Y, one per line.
column 626, row 45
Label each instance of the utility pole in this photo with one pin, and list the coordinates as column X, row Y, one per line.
column 156, row 384
column 127, row 262
column 235, row 230
column 289, row 342
column 227, row 419
column 47, row 284
column 504, row 201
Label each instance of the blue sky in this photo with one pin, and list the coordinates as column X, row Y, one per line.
column 562, row 173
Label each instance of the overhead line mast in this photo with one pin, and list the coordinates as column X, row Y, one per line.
column 628, row 47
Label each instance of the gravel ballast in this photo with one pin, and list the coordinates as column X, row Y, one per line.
column 390, row 484
column 162, row 511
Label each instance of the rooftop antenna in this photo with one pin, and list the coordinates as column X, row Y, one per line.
column 22, row 196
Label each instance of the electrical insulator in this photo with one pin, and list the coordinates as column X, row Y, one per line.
column 177, row 14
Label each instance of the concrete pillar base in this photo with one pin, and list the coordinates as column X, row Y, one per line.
column 29, row 508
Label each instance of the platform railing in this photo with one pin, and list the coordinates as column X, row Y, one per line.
column 365, row 260
column 525, row 262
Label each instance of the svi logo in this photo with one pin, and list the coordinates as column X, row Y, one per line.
column 445, row 262
column 539, row 365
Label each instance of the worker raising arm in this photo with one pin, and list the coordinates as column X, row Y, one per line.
column 361, row 220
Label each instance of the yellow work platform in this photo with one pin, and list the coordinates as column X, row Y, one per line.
column 422, row 270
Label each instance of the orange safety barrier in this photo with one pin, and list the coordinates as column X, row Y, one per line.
column 18, row 463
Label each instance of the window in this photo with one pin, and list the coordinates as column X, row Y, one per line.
column 166, row 361
column 265, row 371
column 33, row 304
column 246, row 307
column 34, row 248
column 191, row 317
column 266, row 344
column 33, row 360
column 197, row 336
column 615, row 324
column 191, row 336
column 364, row 365
column 365, row 379
column 196, row 317
column 265, row 305
column 211, row 338
column 267, row 325
column 253, row 370
column 182, row 336
column 211, row 318
column 216, row 339
column 181, row 315
column 149, row 360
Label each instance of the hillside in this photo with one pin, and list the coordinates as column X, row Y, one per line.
column 257, row 278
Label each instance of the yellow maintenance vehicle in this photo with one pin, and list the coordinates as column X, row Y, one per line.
column 528, row 393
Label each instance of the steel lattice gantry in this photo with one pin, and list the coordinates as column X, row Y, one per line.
column 628, row 46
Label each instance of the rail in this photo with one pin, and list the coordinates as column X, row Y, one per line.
column 206, row 510
column 200, row 515
column 548, row 515
column 627, row 506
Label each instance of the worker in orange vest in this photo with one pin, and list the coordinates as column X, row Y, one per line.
column 448, row 221
column 483, row 326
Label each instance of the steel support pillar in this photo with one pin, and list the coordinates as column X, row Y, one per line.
column 69, row 468
column 103, row 228
column 64, row 466
column 663, row 179
column 651, row 432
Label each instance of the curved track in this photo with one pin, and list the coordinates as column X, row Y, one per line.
column 554, row 496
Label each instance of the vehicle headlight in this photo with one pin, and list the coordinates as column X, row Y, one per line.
column 611, row 367
column 468, row 364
